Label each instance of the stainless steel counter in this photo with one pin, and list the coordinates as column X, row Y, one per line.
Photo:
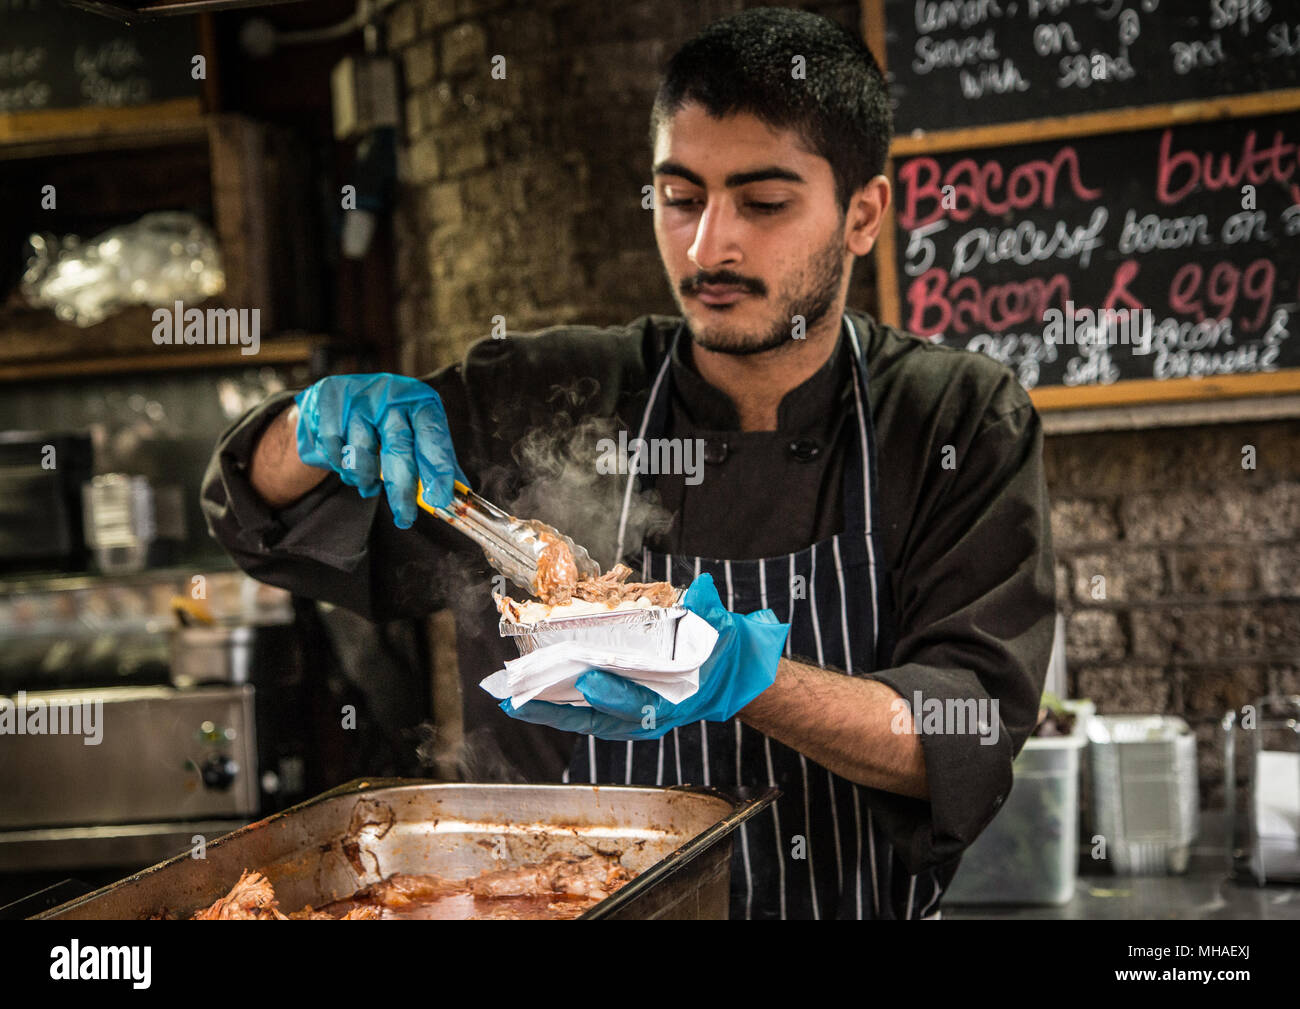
column 1204, row 892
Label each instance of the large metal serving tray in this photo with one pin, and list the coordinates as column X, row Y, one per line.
column 678, row 840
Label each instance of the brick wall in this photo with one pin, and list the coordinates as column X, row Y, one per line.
column 1179, row 570
column 521, row 197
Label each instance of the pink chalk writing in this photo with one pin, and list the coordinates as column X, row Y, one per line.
column 985, row 188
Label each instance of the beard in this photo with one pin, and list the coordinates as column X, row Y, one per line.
column 811, row 293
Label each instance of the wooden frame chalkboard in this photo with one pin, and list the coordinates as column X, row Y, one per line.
column 1101, row 126
column 70, row 72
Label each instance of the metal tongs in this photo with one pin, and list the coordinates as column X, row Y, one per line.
column 512, row 545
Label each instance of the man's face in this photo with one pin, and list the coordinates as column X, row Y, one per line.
column 748, row 229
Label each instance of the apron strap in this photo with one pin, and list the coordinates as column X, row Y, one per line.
column 882, row 595
column 652, row 407
column 859, row 498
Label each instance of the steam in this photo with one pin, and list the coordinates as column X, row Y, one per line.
column 477, row 757
column 558, row 482
column 554, row 478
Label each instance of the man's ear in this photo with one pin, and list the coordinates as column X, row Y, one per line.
column 866, row 215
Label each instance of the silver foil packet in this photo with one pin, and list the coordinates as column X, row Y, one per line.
column 648, row 631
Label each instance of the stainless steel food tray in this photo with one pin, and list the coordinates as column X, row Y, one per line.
column 678, row 840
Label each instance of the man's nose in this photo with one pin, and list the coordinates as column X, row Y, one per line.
column 715, row 239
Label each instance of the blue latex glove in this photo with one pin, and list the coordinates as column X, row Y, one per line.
column 741, row 666
column 362, row 425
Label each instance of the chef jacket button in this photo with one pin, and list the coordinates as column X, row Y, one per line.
column 805, row 449
column 715, row 452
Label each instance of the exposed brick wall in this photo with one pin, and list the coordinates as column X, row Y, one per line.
column 522, row 198
column 1179, row 571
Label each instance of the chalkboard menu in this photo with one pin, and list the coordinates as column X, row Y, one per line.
column 1104, row 195
column 1162, row 254
column 52, row 57
column 976, row 62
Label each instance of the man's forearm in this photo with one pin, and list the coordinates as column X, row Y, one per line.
column 844, row 723
column 277, row 474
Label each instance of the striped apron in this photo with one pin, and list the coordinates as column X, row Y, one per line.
column 818, row 852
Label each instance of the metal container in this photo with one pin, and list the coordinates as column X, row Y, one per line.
column 1144, row 794
column 677, row 839
column 137, row 755
column 119, row 521
column 651, row 631
column 206, row 655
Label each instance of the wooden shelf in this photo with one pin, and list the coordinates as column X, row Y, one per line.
column 147, row 10
column 1146, row 416
column 1088, row 124
column 253, row 179
column 285, row 350
column 1136, row 391
column 79, row 131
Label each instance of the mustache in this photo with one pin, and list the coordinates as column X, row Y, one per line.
column 751, row 285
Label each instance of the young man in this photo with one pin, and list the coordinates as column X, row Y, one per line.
column 881, row 495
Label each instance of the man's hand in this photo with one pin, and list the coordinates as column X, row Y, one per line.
column 359, row 426
column 741, row 666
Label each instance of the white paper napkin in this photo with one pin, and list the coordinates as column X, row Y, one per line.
column 549, row 674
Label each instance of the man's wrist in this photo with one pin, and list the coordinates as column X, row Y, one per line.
column 276, row 472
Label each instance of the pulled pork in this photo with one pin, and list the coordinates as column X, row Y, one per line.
column 558, row 581
column 253, row 899
column 362, row 912
column 250, row 899
column 613, row 588
column 557, row 571
column 610, row 590
column 568, row 883
column 401, row 890
column 595, row 876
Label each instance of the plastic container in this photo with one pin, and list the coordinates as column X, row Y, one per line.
column 1261, row 765
column 1029, row 853
column 1144, row 794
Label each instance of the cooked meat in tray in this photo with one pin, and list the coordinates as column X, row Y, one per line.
column 400, row 848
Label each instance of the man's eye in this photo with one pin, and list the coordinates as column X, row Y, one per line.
column 767, row 208
column 686, row 201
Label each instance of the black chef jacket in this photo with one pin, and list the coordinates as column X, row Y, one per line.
column 961, row 496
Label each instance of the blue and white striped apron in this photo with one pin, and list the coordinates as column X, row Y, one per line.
column 818, row 852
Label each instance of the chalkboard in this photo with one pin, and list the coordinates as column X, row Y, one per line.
column 978, row 62
column 52, row 57
column 1199, row 225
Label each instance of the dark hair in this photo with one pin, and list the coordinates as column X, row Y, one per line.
column 744, row 63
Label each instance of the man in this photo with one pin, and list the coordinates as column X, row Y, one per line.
column 882, row 496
